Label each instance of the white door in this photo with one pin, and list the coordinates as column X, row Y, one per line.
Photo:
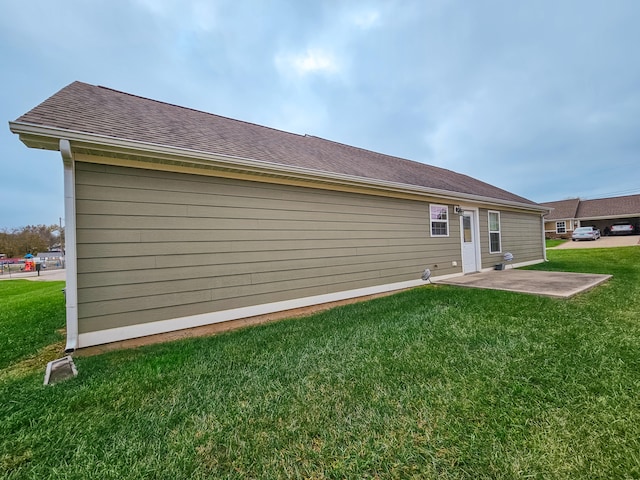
column 469, row 247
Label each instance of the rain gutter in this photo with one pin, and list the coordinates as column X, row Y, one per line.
column 71, row 288
column 544, row 237
column 229, row 162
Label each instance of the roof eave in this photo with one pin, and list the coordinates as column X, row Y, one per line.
column 44, row 137
column 608, row 217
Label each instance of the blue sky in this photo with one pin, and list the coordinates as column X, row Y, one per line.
column 539, row 98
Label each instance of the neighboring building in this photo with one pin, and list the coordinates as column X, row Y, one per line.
column 561, row 220
column 49, row 255
column 177, row 218
column 600, row 213
column 51, row 258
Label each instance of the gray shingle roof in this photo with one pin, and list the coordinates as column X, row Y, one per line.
column 562, row 209
column 599, row 207
column 102, row 111
column 614, row 206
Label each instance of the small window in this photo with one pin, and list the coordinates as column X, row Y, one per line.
column 561, row 227
column 439, row 220
column 467, row 237
column 495, row 242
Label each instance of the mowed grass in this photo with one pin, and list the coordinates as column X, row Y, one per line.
column 436, row 382
column 554, row 242
column 31, row 318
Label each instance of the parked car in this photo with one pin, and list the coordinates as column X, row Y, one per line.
column 585, row 233
column 621, row 228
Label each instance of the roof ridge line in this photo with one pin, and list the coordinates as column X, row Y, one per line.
column 610, row 197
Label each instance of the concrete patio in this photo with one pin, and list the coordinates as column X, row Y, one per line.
column 551, row 284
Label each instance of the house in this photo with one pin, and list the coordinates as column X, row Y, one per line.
column 178, row 218
column 561, row 220
column 566, row 215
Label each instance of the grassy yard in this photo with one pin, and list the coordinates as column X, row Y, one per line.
column 31, row 318
column 436, row 382
column 554, row 242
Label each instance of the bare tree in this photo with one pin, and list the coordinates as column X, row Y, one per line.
column 33, row 239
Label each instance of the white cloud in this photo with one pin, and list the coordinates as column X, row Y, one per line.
column 314, row 61
column 546, row 107
column 309, row 62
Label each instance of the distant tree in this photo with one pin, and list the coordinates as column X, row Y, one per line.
column 57, row 232
column 8, row 242
column 33, row 239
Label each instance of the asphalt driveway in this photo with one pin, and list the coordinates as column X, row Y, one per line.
column 602, row 242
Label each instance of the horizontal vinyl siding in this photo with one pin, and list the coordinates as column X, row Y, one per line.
column 520, row 235
column 157, row 245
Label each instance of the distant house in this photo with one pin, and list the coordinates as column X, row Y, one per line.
column 50, row 257
column 566, row 215
column 561, row 220
column 178, row 218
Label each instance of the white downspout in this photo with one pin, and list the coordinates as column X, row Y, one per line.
column 71, row 289
column 544, row 238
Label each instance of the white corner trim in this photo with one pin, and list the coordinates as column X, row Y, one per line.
column 152, row 328
column 544, row 240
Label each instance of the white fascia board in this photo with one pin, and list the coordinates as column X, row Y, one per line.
column 257, row 166
column 610, row 217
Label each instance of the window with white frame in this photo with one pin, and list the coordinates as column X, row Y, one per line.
column 495, row 240
column 561, row 227
column 439, row 215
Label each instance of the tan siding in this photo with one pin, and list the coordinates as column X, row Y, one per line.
column 159, row 236
column 100, row 250
column 100, row 181
column 91, row 207
column 158, row 245
column 181, row 309
column 520, row 234
column 115, row 292
column 109, row 221
column 309, row 266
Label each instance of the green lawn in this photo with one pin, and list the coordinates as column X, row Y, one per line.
column 553, row 242
column 31, row 316
column 436, row 382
